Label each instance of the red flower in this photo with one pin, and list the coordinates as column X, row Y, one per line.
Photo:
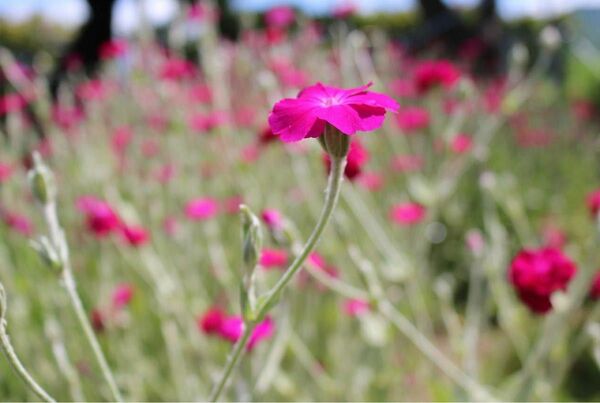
column 101, row 219
column 595, row 289
column 211, row 321
column 593, row 202
column 537, row 273
column 357, row 157
column 433, row 73
column 134, row 235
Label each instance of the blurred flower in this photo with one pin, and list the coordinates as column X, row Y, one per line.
column 407, row 163
column 371, row 181
column 11, row 103
column 113, row 49
column 211, row 321
column 537, row 273
column 357, row 157
column 403, row 88
column 595, row 289
column 262, row 331
column 273, row 258
column 266, row 136
column 98, row 320
column 231, row 205
column 134, row 235
column 593, row 202
column 92, row 90
column 412, row 119
column 175, row 69
column 406, row 214
column 433, row 73
column 201, row 209
column 461, row 144
column 356, row 307
column 279, row 17
column 17, row 222
column 122, row 295
column 6, row 171
column 349, row 111
column 170, row 226
column 344, row 10
column 101, row 219
column 475, row 241
column 201, row 93
column 121, row 138
column 272, row 218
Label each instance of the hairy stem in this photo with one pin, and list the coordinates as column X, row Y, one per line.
column 332, row 194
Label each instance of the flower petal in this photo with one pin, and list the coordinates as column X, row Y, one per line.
column 371, row 117
column 343, row 117
column 292, row 119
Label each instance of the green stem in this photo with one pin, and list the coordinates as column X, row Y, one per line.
column 69, row 283
column 232, row 362
column 14, row 360
column 332, row 194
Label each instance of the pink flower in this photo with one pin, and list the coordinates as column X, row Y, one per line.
column 348, row 110
column 595, row 289
column 176, row 69
column 201, row 209
column 122, row 295
column 272, row 218
column 279, row 17
column 356, row 307
column 232, row 328
column 403, row 88
column 262, row 331
column 475, row 241
column 6, row 171
column 593, row 202
column 433, row 73
column 121, row 138
column 170, row 226
column 211, row 321
column 461, row 143
column 537, row 273
column 273, row 258
column 371, row 181
column 134, row 235
column 92, row 90
column 17, row 222
column 406, row 214
column 201, row 93
column 413, row 119
column 407, row 163
column 231, row 205
column 113, row 49
column 357, row 157
column 12, row 103
column 101, row 219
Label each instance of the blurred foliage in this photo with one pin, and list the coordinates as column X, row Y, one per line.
column 33, row 35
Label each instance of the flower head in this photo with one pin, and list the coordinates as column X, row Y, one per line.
column 134, row 235
column 348, row 110
column 201, row 209
column 413, row 119
column 273, row 258
column 433, row 73
column 406, row 214
column 122, row 295
column 537, row 273
column 101, row 219
column 356, row 307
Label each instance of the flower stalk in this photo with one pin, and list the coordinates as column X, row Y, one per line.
column 12, row 356
column 336, row 142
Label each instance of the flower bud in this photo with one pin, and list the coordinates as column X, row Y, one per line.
column 251, row 238
column 48, row 254
column 334, row 142
column 41, row 181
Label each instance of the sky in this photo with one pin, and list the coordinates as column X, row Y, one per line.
column 74, row 12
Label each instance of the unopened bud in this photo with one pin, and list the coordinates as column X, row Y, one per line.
column 41, row 181
column 251, row 238
column 48, row 254
column 334, row 142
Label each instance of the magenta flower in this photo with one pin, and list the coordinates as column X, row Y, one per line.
column 262, row 331
column 6, row 171
column 407, row 163
column 17, row 222
column 593, row 202
column 538, row 273
column 134, row 235
column 357, row 158
column 279, row 17
column 272, row 218
column 348, row 110
column 211, row 321
column 122, row 295
column 201, row 209
column 356, row 307
column 432, row 73
column 273, row 258
column 232, row 328
column 461, row 144
column 101, row 219
column 406, row 214
column 413, row 119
